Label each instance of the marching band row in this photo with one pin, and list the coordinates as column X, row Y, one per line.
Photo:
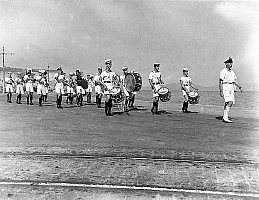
column 117, row 89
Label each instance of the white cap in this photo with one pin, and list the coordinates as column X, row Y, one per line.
column 108, row 61
column 185, row 69
column 124, row 68
column 156, row 63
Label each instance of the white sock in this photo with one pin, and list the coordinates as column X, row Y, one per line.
column 225, row 115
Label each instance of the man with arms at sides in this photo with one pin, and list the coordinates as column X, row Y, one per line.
column 227, row 80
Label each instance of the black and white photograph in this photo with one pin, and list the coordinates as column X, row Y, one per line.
column 129, row 99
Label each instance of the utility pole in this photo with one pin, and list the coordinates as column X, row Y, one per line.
column 3, row 54
column 48, row 73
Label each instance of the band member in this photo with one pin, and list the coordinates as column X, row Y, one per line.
column 127, row 94
column 80, row 91
column 227, row 80
column 70, row 87
column 46, row 85
column 41, row 81
column 108, row 78
column 98, row 89
column 89, row 89
column 29, row 80
column 59, row 87
column 19, row 87
column 155, row 81
column 9, row 88
column 186, row 83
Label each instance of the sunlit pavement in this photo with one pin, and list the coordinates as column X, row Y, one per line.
column 190, row 153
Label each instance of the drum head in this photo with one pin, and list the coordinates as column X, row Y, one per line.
column 130, row 82
column 163, row 90
column 115, row 90
column 193, row 94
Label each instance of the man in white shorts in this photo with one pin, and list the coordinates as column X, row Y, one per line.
column 89, row 89
column 29, row 81
column 155, row 81
column 41, row 90
column 108, row 77
column 59, row 87
column 127, row 94
column 19, row 87
column 186, row 83
column 80, row 91
column 9, row 88
column 98, row 88
column 46, row 85
column 227, row 80
column 70, row 88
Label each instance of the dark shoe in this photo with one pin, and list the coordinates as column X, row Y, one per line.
column 152, row 110
column 31, row 103
column 109, row 114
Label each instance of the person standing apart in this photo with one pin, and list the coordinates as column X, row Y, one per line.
column 227, row 81
column 108, row 77
column 59, row 87
column 186, row 83
column 29, row 80
column 155, row 81
column 98, row 88
column 9, row 88
column 19, row 87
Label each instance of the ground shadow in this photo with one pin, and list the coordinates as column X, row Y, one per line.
column 118, row 112
column 164, row 112
column 219, row 117
column 138, row 108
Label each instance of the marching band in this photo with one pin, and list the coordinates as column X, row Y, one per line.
column 118, row 89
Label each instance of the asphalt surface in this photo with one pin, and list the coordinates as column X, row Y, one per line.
column 190, row 152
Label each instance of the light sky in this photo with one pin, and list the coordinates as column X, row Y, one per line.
column 75, row 34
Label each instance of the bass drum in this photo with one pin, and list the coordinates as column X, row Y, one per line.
column 116, row 95
column 164, row 94
column 133, row 82
column 193, row 97
column 83, row 83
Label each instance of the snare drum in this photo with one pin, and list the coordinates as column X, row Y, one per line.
column 116, row 95
column 193, row 97
column 133, row 82
column 164, row 94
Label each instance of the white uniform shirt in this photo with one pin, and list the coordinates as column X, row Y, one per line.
column 108, row 76
column 8, row 80
column 97, row 78
column 28, row 78
column 186, row 80
column 60, row 78
column 227, row 76
column 18, row 80
column 155, row 77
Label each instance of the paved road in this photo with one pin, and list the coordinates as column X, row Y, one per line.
column 77, row 145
